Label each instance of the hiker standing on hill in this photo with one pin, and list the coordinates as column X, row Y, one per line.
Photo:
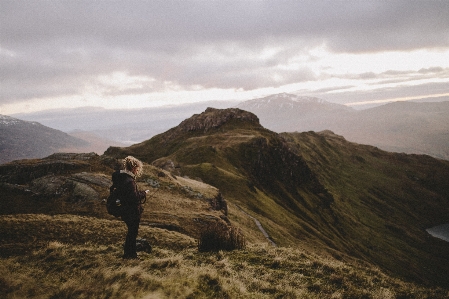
column 131, row 199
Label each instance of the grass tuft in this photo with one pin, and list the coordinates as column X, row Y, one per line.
column 218, row 236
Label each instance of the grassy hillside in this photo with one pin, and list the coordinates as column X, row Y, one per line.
column 318, row 191
column 387, row 200
column 56, row 241
column 252, row 167
column 79, row 257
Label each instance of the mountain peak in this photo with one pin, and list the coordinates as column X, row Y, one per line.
column 292, row 97
column 215, row 118
column 288, row 112
column 212, row 118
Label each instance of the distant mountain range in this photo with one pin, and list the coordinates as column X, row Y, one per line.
column 126, row 126
column 21, row 139
column 290, row 113
column 410, row 127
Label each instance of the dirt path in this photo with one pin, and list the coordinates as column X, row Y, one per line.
column 259, row 225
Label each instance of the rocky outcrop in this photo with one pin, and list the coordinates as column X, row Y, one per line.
column 218, row 203
column 92, row 178
column 23, row 171
column 72, row 156
column 213, row 118
column 69, row 187
column 49, row 185
column 59, row 175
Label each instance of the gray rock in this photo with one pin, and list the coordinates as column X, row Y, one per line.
column 82, row 192
column 96, row 179
column 49, row 185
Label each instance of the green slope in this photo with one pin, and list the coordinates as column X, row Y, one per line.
column 316, row 190
column 385, row 201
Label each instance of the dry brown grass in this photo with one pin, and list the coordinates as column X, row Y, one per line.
column 179, row 203
column 220, row 236
column 71, row 256
column 74, row 256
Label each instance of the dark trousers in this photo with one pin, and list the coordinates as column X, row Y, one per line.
column 131, row 236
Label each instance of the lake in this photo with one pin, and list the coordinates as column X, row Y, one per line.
column 440, row 231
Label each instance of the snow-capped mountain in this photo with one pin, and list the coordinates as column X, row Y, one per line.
column 6, row 121
column 288, row 112
column 289, row 101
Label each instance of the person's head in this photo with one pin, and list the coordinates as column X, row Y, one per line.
column 133, row 165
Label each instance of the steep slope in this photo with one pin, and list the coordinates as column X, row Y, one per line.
column 385, row 201
column 420, row 128
column 315, row 190
column 22, row 139
column 251, row 165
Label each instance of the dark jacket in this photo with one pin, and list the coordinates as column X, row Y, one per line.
column 130, row 196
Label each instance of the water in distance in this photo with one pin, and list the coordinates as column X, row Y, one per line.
column 440, row 231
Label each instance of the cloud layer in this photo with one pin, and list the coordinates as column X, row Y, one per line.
column 51, row 49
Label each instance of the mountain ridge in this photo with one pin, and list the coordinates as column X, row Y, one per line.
column 286, row 100
column 410, row 127
column 314, row 188
column 422, row 131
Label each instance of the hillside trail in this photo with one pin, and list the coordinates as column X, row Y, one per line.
column 259, row 225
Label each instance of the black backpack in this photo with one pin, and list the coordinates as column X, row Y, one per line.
column 113, row 203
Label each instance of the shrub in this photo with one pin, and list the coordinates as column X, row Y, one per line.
column 218, row 236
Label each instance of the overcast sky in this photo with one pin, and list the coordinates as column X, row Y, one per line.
column 130, row 54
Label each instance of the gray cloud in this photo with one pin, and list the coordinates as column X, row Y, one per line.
column 393, row 76
column 50, row 48
column 166, row 25
column 433, row 70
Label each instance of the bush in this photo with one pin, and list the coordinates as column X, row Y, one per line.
column 218, row 236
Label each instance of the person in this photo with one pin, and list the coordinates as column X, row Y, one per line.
column 131, row 198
